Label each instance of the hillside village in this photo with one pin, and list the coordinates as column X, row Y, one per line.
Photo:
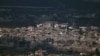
column 53, row 35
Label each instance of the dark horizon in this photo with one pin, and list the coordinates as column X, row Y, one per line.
column 93, row 4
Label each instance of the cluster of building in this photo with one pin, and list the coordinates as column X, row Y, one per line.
column 65, row 37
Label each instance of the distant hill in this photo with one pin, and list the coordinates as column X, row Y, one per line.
column 19, row 16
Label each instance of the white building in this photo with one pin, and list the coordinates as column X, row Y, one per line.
column 84, row 29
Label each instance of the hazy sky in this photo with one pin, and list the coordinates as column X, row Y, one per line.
column 93, row 0
column 61, row 3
